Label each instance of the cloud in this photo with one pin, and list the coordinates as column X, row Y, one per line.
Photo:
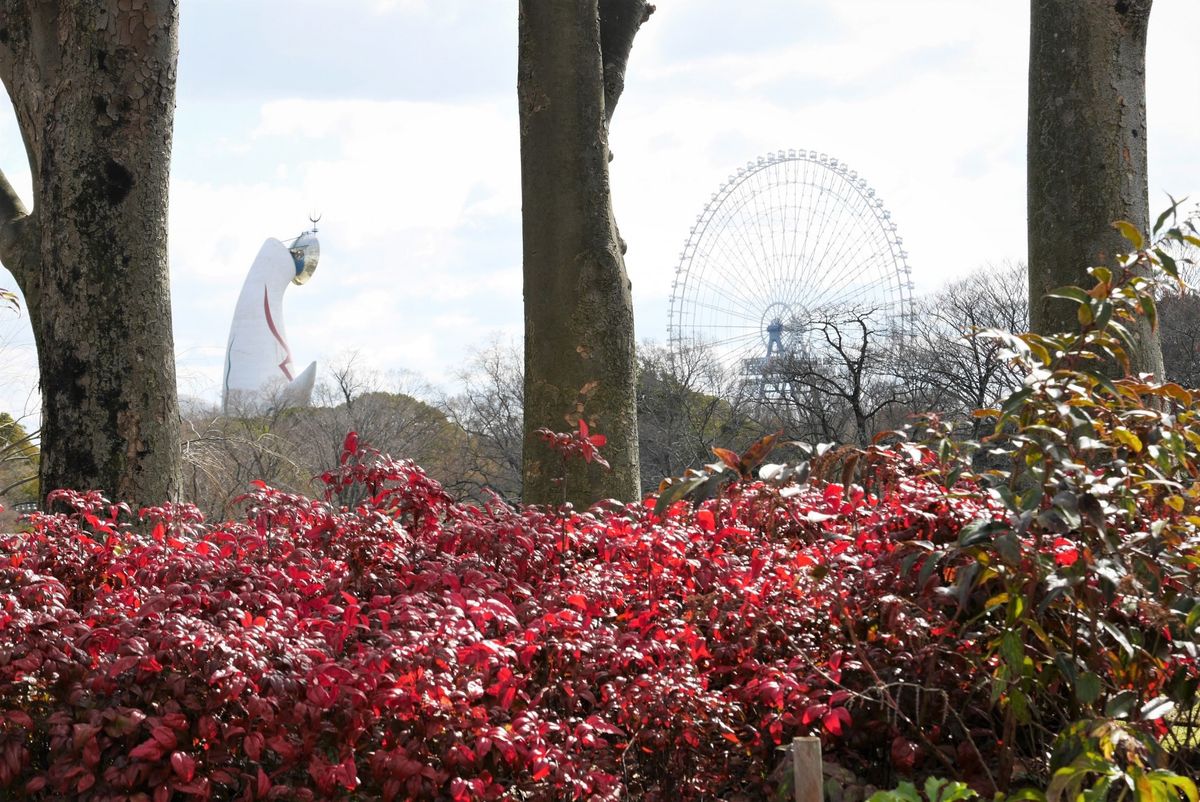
column 403, row 6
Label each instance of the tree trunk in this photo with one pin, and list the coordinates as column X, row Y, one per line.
column 579, row 343
column 1086, row 150
column 93, row 86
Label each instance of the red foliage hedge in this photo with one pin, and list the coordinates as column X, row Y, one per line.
column 414, row 647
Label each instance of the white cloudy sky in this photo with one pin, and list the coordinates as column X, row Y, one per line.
column 397, row 121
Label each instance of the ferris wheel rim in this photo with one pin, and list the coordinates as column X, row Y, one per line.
column 893, row 270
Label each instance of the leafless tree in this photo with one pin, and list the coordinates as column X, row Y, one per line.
column 688, row 403
column 18, row 466
column 1179, row 330
column 290, row 447
column 222, row 454
column 841, row 385
column 488, row 409
column 388, row 412
column 950, row 366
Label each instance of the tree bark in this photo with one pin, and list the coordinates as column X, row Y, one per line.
column 580, row 360
column 620, row 20
column 93, row 86
column 1086, row 150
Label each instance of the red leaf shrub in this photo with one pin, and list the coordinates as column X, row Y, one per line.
column 414, row 647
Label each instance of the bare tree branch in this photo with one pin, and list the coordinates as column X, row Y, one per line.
column 15, row 223
column 619, row 23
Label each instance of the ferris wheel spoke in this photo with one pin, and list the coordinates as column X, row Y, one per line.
column 872, row 268
column 722, row 237
column 746, row 336
column 765, row 212
column 851, row 281
column 796, row 188
column 746, row 342
column 856, row 270
column 836, row 221
column 731, row 292
column 818, row 219
column 721, row 266
column 756, row 226
column 721, row 326
column 860, row 297
column 746, row 283
column 846, row 257
column 754, row 281
column 751, row 317
column 839, row 253
column 850, row 265
column 869, row 258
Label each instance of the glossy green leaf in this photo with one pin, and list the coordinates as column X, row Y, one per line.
column 1087, row 688
column 1070, row 294
column 1130, row 232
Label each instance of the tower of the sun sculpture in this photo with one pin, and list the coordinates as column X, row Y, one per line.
column 259, row 370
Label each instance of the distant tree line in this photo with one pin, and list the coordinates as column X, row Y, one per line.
column 687, row 402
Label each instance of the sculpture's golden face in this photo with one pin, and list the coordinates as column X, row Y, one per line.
column 306, row 251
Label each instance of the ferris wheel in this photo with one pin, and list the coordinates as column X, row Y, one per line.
column 792, row 242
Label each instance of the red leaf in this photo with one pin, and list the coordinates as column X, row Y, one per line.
column 836, row 720
column 755, row 454
column 264, row 783
column 184, row 766
column 165, row 736
column 349, row 446
column 814, row 712
column 1066, row 553
column 904, row 753
column 208, row 728
column 348, row 771
column 728, row 457
column 150, row 750
column 252, row 745
column 91, row 753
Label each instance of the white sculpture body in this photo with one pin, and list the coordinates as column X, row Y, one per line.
column 259, row 369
